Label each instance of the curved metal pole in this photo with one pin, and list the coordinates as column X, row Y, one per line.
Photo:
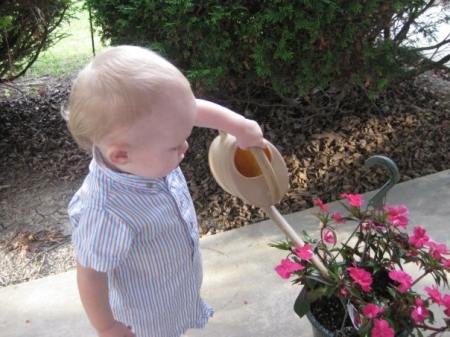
column 379, row 199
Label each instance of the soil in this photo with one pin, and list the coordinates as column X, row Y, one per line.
column 324, row 140
column 330, row 313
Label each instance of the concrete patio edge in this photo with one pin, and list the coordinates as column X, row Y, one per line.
column 239, row 282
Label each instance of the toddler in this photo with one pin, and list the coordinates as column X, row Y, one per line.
column 139, row 268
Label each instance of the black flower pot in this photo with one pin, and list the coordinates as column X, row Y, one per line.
column 320, row 331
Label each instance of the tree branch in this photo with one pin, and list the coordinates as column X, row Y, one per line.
column 413, row 16
column 440, row 44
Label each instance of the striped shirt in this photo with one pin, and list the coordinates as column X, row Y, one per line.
column 144, row 234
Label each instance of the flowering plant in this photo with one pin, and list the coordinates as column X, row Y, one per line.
column 367, row 274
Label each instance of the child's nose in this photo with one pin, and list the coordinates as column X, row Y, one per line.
column 184, row 147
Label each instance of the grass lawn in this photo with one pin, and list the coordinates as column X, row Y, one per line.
column 70, row 54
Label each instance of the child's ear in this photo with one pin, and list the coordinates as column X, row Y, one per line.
column 118, row 155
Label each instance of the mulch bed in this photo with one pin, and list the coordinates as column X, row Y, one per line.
column 324, row 142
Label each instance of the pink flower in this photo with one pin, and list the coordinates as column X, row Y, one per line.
column 419, row 239
column 437, row 249
column 305, row 252
column 381, row 329
column 412, row 253
column 353, row 199
column 371, row 310
column 362, row 277
column 344, row 292
column 397, row 215
column 338, row 217
column 435, row 295
column 365, row 226
column 445, row 262
column 447, row 311
column 446, row 303
column 287, row 267
column 319, row 203
column 401, row 277
column 328, row 236
column 420, row 312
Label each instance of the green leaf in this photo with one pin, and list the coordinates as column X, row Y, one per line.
column 364, row 329
column 354, row 292
column 302, row 304
column 320, row 279
column 5, row 22
column 283, row 245
column 307, row 237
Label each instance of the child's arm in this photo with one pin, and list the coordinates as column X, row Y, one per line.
column 93, row 288
column 247, row 132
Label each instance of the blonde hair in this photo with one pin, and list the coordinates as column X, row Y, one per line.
column 118, row 87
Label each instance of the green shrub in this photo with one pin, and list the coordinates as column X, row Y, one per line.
column 288, row 46
column 27, row 28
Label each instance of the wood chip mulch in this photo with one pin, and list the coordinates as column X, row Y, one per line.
column 324, row 146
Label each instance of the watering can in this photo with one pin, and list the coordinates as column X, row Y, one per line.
column 257, row 176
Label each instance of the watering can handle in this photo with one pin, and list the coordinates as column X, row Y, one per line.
column 268, row 173
column 266, row 169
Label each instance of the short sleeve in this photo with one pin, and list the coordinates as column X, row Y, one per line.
column 101, row 240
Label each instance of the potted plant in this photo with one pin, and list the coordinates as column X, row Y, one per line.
column 366, row 290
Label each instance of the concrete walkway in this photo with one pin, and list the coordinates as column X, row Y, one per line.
column 250, row 299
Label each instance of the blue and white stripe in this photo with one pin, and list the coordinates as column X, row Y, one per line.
column 144, row 234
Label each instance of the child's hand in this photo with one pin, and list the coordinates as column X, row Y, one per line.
column 117, row 330
column 250, row 135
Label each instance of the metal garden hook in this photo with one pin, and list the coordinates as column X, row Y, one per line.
column 379, row 199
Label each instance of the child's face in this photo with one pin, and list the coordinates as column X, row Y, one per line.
column 155, row 145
